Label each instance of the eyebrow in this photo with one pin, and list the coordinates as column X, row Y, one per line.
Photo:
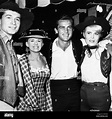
column 94, row 30
column 10, row 15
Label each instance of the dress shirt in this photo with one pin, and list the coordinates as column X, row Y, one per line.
column 91, row 69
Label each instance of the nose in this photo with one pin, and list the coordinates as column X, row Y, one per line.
column 13, row 21
column 36, row 42
column 92, row 35
column 66, row 30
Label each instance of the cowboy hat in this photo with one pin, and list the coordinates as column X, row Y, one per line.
column 34, row 33
column 92, row 20
column 26, row 16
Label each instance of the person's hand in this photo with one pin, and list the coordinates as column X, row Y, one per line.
column 78, row 75
column 110, row 109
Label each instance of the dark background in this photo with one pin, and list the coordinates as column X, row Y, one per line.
column 45, row 17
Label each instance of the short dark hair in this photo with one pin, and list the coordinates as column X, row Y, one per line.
column 1, row 13
column 65, row 17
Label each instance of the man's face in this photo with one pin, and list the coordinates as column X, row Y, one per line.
column 64, row 30
column 10, row 22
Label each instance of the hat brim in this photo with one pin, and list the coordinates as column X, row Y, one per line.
column 34, row 36
column 26, row 16
column 98, row 21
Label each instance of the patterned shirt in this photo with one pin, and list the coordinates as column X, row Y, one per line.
column 37, row 83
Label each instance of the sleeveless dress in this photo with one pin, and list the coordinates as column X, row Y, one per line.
column 37, row 83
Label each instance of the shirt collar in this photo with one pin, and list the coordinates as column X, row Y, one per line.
column 5, row 37
column 56, row 47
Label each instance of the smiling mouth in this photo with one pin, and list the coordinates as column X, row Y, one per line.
column 11, row 27
column 92, row 41
column 36, row 47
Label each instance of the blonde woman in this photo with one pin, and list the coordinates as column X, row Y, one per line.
column 36, row 74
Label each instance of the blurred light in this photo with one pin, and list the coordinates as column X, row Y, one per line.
column 43, row 22
column 71, row 0
column 99, row 8
column 43, row 3
column 56, row 10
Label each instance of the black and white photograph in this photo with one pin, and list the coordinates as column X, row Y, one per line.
column 56, row 56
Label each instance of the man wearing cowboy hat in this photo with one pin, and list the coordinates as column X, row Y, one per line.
column 13, row 20
column 95, row 64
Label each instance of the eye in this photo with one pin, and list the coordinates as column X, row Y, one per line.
column 32, row 40
column 97, row 33
column 70, row 28
column 39, row 40
column 18, row 19
column 8, row 17
column 61, row 27
column 88, row 32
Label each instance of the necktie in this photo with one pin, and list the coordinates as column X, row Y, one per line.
column 88, row 49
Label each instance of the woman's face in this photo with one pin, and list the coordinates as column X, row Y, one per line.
column 92, row 34
column 34, row 44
